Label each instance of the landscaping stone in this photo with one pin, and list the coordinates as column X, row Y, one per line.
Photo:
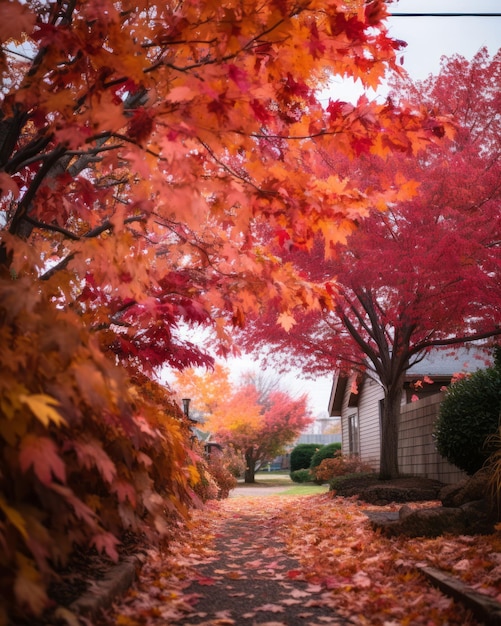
column 464, row 508
column 485, row 609
column 467, row 490
column 381, row 492
column 469, row 519
column 101, row 594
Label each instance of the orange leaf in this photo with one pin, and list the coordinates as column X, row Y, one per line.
column 286, row 321
column 41, row 454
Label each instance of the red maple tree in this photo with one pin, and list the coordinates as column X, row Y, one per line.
column 423, row 273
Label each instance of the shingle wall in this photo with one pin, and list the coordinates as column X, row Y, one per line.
column 417, row 453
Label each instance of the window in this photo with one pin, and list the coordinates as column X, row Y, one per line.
column 353, row 436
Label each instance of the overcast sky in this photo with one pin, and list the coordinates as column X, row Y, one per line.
column 430, row 38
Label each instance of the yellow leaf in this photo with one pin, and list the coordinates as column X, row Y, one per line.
column 63, row 614
column 41, row 407
column 14, row 517
column 286, row 321
column 28, row 586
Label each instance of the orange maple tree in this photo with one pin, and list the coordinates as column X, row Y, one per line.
column 255, row 416
column 142, row 145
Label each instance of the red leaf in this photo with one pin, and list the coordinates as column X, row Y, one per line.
column 92, row 454
column 239, row 77
column 206, row 581
column 41, row 454
column 125, row 491
column 106, row 543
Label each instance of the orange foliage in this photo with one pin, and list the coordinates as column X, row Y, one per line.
column 142, row 147
column 86, row 454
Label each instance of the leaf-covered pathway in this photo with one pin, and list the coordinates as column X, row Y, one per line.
column 309, row 561
column 251, row 579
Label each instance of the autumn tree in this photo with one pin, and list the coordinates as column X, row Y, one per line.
column 257, row 418
column 142, row 146
column 425, row 272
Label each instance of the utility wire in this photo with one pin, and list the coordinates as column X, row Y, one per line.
column 445, row 14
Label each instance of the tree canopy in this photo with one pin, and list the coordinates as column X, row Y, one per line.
column 142, row 146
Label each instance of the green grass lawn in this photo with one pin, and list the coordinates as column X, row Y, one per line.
column 274, row 478
column 282, row 479
column 306, row 489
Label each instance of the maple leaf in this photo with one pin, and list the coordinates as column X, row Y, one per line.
column 362, row 579
column 239, row 76
column 82, row 511
column 271, row 608
column 286, row 321
column 28, row 586
column 41, row 406
column 125, row 491
column 106, row 543
column 14, row 517
column 15, row 19
column 8, row 186
column 206, row 580
column 90, row 453
column 41, row 453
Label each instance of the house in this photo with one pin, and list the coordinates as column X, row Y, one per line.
column 358, row 400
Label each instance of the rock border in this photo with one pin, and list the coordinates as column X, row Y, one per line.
column 114, row 583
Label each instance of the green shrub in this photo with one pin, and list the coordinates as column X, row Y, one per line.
column 302, row 454
column 325, row 452
column 301, row 476
column 468, row 415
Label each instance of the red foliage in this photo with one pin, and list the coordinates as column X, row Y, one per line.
column 340, row 465
column 425, row 271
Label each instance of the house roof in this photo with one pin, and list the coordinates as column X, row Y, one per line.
column 439, row 364
column 337, row 394
column 447, row 361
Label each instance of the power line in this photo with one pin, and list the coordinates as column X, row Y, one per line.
column 445, row 14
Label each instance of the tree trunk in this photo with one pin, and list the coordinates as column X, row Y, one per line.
column 390, row 422
column 250, row 467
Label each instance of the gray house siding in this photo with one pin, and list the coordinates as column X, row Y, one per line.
column 370, row 443
column 322, row 439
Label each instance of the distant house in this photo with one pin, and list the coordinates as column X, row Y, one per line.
column 358, row 401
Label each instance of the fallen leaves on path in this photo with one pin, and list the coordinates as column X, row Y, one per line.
column 341, row 568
